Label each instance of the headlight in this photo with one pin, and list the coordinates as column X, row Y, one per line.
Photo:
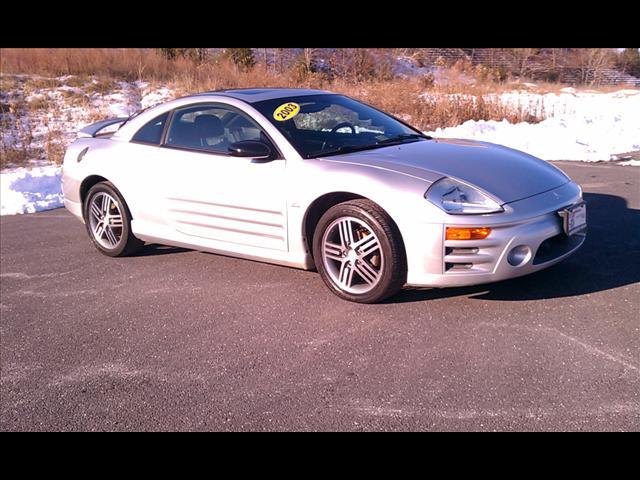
column 458, row 198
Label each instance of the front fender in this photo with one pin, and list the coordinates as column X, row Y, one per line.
column 400, row 195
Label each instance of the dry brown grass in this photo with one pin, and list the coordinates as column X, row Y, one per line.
column 96, row 71
column 16, row 138
column 122, row 63
column 39, row 103
column 11, row 156
column 73, row 98
column 425, row 108
column 101, row 86
column 98, row 68
column 444, row 106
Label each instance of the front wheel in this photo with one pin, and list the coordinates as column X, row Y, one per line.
column 108, row 221
column 359, row 253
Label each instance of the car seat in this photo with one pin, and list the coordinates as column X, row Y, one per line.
column 210, row 133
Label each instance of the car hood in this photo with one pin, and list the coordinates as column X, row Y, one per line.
column 507, row 174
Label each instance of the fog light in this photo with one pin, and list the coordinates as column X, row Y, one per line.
column 475, row 233
column 519, row 255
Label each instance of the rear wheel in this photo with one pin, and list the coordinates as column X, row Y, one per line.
column 358, row 252
column 108, row 221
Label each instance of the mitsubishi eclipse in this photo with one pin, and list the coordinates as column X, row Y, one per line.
column 316, row 180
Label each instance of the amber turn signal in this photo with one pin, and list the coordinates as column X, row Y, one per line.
column 475, row 233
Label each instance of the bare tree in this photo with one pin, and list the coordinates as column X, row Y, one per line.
column 629, row 61
column 521, row 60
column 590, row 63
column 309, row 55
column 306, row 63
column 279, row 59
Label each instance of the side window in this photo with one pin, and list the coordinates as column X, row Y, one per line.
column 211, row 128
column 151, row 133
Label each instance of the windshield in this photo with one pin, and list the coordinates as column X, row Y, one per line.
column 328, row 124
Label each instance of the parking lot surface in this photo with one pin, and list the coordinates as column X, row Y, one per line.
column 182, row 340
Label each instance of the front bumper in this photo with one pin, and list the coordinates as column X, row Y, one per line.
column 539, row 242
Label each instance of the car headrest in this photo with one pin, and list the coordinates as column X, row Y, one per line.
column 209, row 126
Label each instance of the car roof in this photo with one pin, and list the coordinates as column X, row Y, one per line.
column 253, row 95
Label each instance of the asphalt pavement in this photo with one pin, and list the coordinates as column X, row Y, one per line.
column 181, row 340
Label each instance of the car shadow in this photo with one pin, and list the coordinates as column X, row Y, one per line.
column 609, row 258
column 153, row 249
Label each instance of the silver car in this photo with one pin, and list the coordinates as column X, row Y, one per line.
column 312, row 179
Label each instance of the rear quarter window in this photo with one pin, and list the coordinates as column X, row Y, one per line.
column 151, row 133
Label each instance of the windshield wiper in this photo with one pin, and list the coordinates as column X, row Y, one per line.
column 134, row 115
column 404, row 136
column 357, row 148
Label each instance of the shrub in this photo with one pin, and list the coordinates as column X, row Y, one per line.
column 39, row 103
column 243, row 58
column 100, row 86
column 629, row 61
column 427, row 80
column 305, row 65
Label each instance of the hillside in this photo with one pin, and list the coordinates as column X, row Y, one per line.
column 40, row 115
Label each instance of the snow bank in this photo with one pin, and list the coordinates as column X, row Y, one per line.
column 631, row 163
column 29, row 190
column 586, row 126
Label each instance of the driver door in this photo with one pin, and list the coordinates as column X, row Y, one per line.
column 212, row 195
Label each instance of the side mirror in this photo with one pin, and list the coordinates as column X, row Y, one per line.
column 250, row 148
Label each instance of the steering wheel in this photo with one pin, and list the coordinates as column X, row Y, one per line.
column 342, row 125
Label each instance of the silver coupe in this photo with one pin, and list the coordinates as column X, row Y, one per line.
column 316, row 180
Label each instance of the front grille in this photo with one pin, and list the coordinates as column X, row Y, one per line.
column 460, row 251
column 465, row 259
column 457, row 267
column 556, row 246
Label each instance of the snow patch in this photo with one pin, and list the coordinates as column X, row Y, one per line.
column 631, row 163
column 29, row 190
column 579, row 126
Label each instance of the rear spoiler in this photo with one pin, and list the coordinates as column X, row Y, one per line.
column 93, row 129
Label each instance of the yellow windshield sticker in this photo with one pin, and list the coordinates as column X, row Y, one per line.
column 286, row 111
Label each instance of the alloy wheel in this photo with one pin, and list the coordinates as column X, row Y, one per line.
column 105, row 220
column 352, row 255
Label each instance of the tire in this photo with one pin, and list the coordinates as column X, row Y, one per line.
column 358, row 251
column 103, row 196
